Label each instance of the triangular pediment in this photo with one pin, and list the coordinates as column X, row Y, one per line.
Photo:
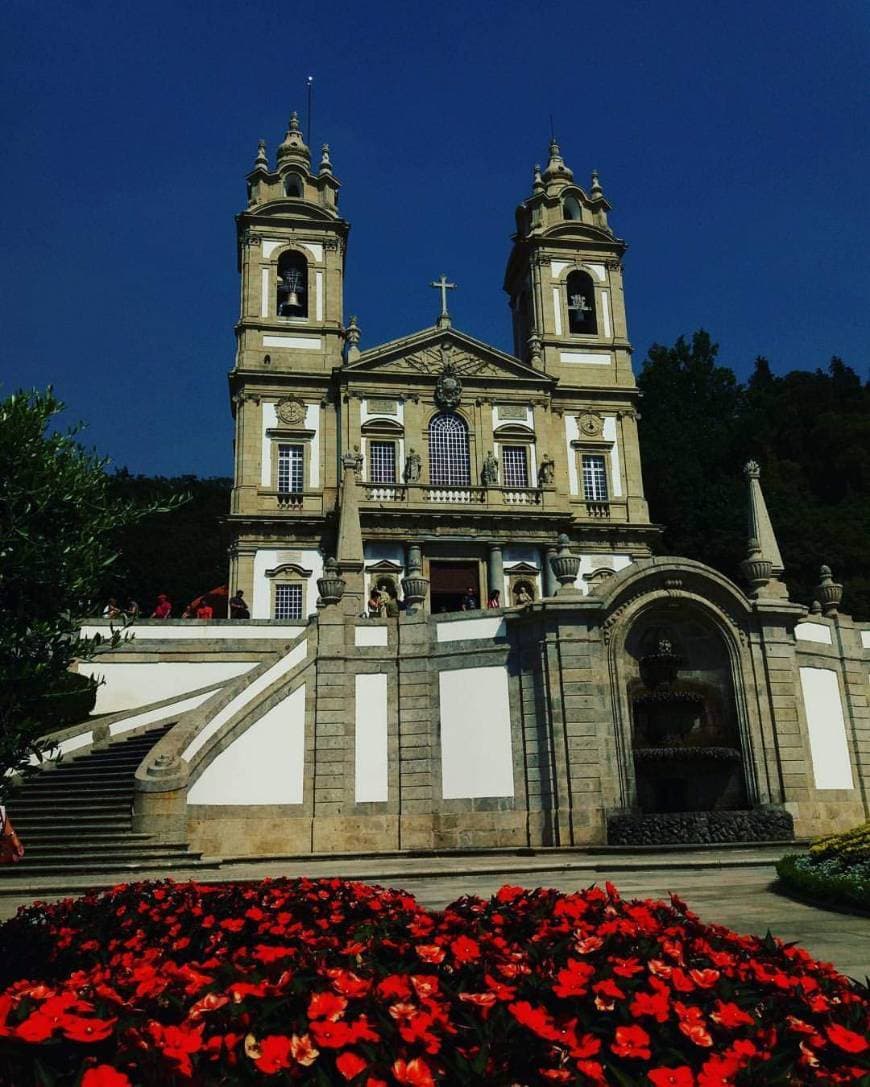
column 429, row 352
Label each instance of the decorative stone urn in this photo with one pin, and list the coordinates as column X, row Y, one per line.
column 828, row 592
column 415, row 588
column 565, row 566
column 332, row 585
column 756, row 569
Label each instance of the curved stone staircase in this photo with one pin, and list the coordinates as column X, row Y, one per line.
column 76, row 817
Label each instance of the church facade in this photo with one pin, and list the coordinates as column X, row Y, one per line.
column 605, row 695
column 469, row 462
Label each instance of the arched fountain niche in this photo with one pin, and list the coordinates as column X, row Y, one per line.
column 684, row 726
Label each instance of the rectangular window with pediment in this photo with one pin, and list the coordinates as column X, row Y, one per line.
column 595, row 478
column 288, row 601
column 382, row 462
column 291, row 469
column 515, row 466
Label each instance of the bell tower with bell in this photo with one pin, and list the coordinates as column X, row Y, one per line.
column 564, row 279
column 291, row 243
column 291, row 247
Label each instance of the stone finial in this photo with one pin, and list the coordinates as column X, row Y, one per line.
column 595, row 190
column 292, row 147
column 815, row 608
column 537, row 180
column 556, row 168
column 261, row 162
column 759, row 527
column 325, row 164
column 352, row 335
column 828, row 592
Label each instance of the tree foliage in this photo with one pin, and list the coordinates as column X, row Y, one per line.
column 182, row 552
column 58, row 520
column 809, row 431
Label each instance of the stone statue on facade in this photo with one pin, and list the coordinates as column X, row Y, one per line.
column 546, row 471
column 413, row 467
column 489, row 473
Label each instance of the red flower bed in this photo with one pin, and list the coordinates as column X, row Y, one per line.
column 328, row 982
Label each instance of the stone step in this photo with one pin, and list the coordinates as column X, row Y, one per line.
column 90, row 848
column 52, row 824
column 74, row 867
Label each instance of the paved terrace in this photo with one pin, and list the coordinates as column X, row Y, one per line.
column 730, row 887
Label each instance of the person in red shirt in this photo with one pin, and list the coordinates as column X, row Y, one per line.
column 204, row 611
column 163, row 609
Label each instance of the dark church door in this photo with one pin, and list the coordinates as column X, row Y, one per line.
column 450, row 582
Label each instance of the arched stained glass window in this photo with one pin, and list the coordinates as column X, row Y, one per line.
column 449, row 464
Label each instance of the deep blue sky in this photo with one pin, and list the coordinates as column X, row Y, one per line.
column 730, row 138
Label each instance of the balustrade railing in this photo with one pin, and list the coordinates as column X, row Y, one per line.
column 430, row 494
column 598, row 510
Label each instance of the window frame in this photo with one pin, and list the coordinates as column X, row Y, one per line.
column 604, row 459
column 283, row 443
column 453, row 477
column 520, row 448
column 371, row 461
column 277, row 586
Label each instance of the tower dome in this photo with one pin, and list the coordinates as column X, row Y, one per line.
column 293, row 149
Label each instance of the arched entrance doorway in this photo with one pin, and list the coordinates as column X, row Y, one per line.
column 685, row 733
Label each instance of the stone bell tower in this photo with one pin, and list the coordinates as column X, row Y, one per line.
column 564, row 282
column 291, row 245
column 564, row 279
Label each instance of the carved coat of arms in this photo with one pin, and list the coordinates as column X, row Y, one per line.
column 290, row 410
column 448, row 389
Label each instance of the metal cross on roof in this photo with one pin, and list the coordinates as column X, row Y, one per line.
column 443, row 286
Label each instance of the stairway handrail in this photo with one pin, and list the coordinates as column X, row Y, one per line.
column 165, row 768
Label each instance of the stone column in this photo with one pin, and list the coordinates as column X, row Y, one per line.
column 495, row 572
column 550, row 583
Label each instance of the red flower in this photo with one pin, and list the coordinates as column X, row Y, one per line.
column 326, row 1006
column 706, row 979
column 844, row 1039
column 394, row 986
column 37, row 1028
column 79, row 1029
column 416, row 1073
column 273, row 1054
column 465, row 949
column 104, row 1075
column 730, row 1016
column 573, row 979
column 672, row 1077
column 536, row 1019
column 631, row 1042
column 431, row 953
column 656, row 1005
column 350, row 1064
column 331, row 1035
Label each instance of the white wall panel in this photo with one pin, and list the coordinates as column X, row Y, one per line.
column 471, row 629
column 370, row 635
column 265, row 765
column 268, row 420
column 813, row 632
column 829, row 748
column 572, row 434
column 476, row 755
column 370, row 739
column 609, row 433
column 128, row 686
